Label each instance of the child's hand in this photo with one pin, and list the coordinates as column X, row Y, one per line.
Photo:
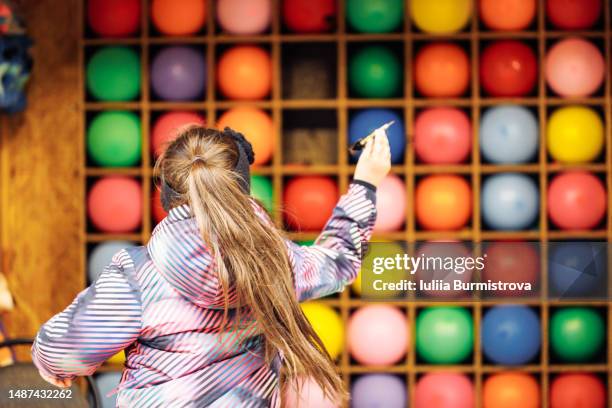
column 58, row 382
column 375, row 160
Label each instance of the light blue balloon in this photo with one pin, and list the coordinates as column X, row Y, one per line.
column 509, row 135
column 509, row 201
column 102, row 255
column 107, row 382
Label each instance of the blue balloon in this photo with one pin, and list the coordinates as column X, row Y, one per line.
column 511, row 334
column 366, row 121
column 577, row 269
column 101, row 256
column 378, row 390
column 509, row 201
column 509, row 135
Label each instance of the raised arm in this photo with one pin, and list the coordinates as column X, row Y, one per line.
column 102, row 320
column 334, row 260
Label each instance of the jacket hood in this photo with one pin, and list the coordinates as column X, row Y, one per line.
column 181, row 257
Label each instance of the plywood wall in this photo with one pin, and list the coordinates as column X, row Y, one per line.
column 41, row 185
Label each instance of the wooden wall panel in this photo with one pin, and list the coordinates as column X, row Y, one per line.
column 41, row 181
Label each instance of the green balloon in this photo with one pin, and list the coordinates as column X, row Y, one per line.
column 114, row 139
column 261, row 189
column 308, row 242
column 113, row 74
column 444, row 335
column 375, row 72
column 375, row 16
column 577, row 334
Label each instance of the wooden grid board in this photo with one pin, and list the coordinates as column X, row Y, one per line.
column 542, row 101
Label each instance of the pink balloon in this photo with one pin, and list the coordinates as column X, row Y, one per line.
column 574, row 67
column 444, row 390
column 378, row 335
column 442, row 136
column 244, row 16
column 390, row 204
column 311, row 396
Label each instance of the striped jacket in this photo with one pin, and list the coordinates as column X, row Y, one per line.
column 163, row 304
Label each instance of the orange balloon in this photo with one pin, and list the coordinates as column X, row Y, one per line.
column 442, row 70
column 507, row 15
column 443, row 202
column 511, row 390
column 178, row 17
column 257, row 127
column 245, row 73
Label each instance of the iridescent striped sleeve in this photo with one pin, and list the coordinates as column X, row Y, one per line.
column 335, row 258
column 102, row 320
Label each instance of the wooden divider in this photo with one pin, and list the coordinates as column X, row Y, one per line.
column 475, row 170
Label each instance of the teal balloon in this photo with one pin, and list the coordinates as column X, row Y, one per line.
column 261, row 189
column 113, row 74
column 375, row 72
column 375, row 16
column 114, row 139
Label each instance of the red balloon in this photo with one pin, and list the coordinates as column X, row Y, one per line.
column 114, row 204
column 508, row 68
column 157, row 210
column 167, row 126
column 444, row 390
column 512, row 262
column 310, row 16
column 114, row 18
column 576, row 200
column 309, row 202
column 573, row 14
column 577, row 391
column 442, row 136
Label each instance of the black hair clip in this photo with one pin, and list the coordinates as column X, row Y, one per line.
column 242, row 142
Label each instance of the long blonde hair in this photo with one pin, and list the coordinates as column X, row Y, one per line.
column 250, row 252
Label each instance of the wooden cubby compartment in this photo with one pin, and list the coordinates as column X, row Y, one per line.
column 329, row 111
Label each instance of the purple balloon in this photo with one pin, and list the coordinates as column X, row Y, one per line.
column 378, row 391
column 178, row 74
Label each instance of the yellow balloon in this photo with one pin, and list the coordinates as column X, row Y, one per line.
column 328, row 325
column 441, row 16
column 367, row 290
column 575, row 134
column 118, row 359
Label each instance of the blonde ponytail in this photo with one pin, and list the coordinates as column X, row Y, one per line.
column 250, row 253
